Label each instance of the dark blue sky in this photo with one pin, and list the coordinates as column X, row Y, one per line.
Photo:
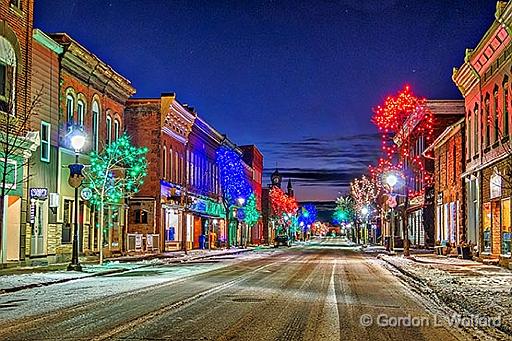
column 299, row 79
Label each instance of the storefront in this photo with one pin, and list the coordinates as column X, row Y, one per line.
column 496, row 223
column 208, row 223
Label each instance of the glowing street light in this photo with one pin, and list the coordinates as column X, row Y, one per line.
column 391, row 180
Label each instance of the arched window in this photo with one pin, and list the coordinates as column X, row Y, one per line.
column 496, row 115
column 505, row 106
column 171, row 170
column 469, row 136
column 164, row 163
column 116, row 129
column 108, row 126
column 8, row 64
column 475, row 130
column 487, row 120
column 80, row 110
column 95, row 124
column 70, row 106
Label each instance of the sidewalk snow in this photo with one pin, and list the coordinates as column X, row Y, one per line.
column 15, row 282
column 469, row 288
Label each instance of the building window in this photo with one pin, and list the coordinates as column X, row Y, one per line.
column 496, row 115
column 108, row 125
column 7, row 76
column 171, row 170
column 45, row 141
column 70, row 104
column 80, row 109
column 95, row 125
column 164, row 163
column 505, row 107
column 487, row 121
column 468, row 137
column 116, row 129
column 454, row 163
column 475, row 131
column 17, row 4
column 141, row 216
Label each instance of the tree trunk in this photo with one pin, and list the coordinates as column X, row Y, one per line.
column 2, row 217
column 101, row 233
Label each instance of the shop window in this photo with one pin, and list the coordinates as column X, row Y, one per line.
column 45, row 141
column 505, row 226
column 141, row 216
column 487, row 227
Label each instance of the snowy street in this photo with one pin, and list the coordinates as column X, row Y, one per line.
column 324, row 290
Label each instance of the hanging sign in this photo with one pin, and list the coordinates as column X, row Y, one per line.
column 86, row 193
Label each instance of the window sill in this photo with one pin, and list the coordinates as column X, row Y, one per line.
column 508, row 256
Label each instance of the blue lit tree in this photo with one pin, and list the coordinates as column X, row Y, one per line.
column 235, row 186
column 307, row 217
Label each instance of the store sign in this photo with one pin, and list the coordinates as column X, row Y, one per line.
column 38, row 193
column 208, row 207
column 86, row 193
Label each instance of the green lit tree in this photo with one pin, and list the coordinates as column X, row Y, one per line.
column 252, row 215
column 115, row 174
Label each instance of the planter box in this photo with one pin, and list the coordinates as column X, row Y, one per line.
column 464, row 252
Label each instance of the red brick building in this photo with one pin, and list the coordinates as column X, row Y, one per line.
column 156, row 213
column 484, row 79
column 254, row 159
column 449, row 162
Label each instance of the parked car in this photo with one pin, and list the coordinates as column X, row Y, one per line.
column 282, row 240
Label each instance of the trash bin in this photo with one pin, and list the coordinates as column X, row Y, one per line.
column 202, row 241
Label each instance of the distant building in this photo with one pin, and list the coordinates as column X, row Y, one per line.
column 254, row 158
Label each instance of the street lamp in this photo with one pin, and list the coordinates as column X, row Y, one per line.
column 77, row 142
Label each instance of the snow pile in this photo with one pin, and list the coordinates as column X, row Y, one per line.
column 469, row 288
column 33, row 279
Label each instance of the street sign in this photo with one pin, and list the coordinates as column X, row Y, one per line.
column 86, row 193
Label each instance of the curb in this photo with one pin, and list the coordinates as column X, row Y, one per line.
column 113, row 271
column 403, row 272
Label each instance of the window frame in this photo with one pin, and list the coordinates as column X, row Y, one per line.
column 108, row 127
column 117, row 127
column 47, row 142
column 80, row 112
column 70, row 108
column 95, row 124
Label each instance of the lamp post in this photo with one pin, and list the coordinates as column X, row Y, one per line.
column 391, row 181
column 364, row 214
column 241, row 201
column 77, row 141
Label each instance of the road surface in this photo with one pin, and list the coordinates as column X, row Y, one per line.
column 321, row 291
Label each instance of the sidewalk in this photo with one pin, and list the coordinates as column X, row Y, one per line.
column 467, row 287
column 16, row 279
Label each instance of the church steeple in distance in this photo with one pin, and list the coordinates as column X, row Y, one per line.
column 290, row 189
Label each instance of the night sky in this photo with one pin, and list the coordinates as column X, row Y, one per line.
column 298, row 79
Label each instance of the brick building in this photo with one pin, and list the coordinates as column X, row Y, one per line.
column 157, row 213
column 449, row 161
column 254, row 159
column 484, row 81
column 16, row 23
